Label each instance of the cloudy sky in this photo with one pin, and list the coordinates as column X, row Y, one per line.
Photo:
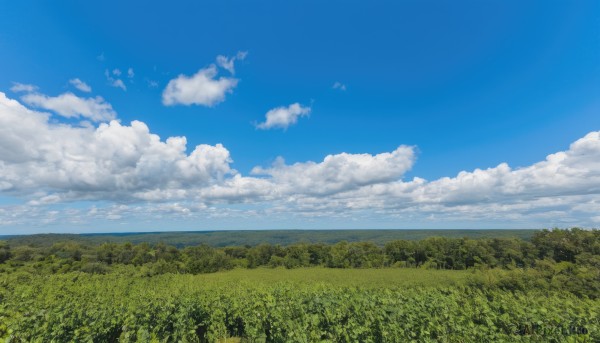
column 298, row 115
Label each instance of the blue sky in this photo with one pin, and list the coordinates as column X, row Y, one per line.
column 402, row 95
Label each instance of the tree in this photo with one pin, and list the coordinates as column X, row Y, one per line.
column 4, row 251
column 204, row 259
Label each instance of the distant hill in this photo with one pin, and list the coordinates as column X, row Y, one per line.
column 282, row 237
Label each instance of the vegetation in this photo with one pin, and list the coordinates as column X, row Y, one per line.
column 439, row 289
column 253, row 237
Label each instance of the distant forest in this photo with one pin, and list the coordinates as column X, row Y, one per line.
column 256, row 237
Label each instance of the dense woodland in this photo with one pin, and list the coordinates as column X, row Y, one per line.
column 183, row 239
column 570, row 257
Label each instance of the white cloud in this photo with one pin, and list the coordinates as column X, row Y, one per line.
column 227, row 63
column 130, row 73
column 201, row 88
column 575, row 171
column 112, row 161
column 20, row 87
column 283, row 117
column 339, row 85
column 51, row 163
column 71, row 106
column 561, row 190
column 117, row 83
column 339, row 173
column 82, row 86
column 560, row 184
column 116, row 72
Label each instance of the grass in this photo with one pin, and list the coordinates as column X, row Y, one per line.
column 370, row 278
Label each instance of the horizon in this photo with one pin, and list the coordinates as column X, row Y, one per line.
column 119, row 233
column 232, row 116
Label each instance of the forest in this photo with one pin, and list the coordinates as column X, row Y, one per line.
column 543, row 288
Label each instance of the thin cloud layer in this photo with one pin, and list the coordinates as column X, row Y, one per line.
column 339, row 85
column 82, row 86
column 69, row 105
column 283, row 117
column 228, row 63
column 115, row 82
column 21, row 87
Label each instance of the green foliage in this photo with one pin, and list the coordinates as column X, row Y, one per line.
column 447, row 290
column 565, row 245
column 185, row 308
column 253, row 237
column 580, row 249
column 4, row 251
column 204, row 259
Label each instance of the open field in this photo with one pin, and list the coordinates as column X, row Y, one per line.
column 368, row 278
column 437, row 289
column 276, row 305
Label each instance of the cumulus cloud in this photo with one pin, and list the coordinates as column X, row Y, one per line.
column 283, row 117
column 20, row 87
column 71, row 106
column 553, row 188
column 575, row 171
column 130, row 73
column 340, row 172
column 46, row 163
column 82, row 86
column 202, row 88
column 112, row 161
column 561, row 190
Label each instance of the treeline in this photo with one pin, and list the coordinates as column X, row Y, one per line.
column 575, row 246
column 256, row 237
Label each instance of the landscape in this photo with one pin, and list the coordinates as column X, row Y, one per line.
column 542, row 288
column 312, row 171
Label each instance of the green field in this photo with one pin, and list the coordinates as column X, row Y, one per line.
column 438, row 289
column 276, row 305
column 366, row 278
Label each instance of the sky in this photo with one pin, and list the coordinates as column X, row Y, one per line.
column 221, row 115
